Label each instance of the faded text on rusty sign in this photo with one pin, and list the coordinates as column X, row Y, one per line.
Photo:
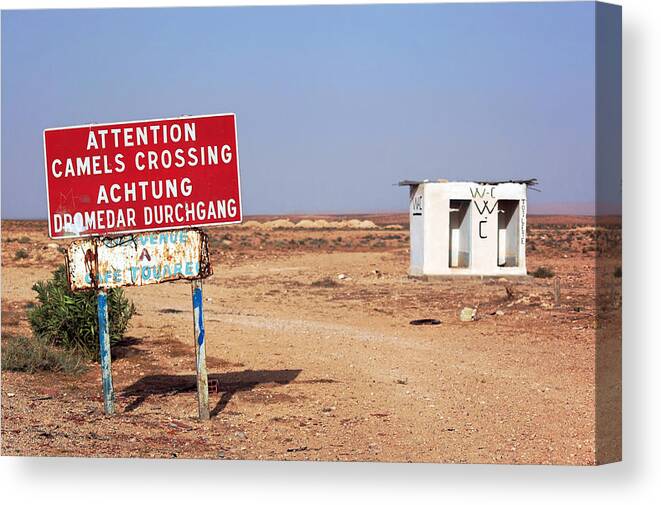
column 138, row 259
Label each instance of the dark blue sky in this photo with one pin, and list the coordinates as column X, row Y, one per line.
column 334, row 104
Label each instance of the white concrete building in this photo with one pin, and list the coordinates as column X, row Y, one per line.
column 468, row 228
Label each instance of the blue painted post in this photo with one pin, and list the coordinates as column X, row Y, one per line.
column 104, row 352
column 200, row 351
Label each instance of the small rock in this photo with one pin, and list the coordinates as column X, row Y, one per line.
column 468, row 314
column 500, row 313
column 343, row 277
column 11, row 395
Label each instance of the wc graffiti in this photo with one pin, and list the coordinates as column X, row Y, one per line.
column 480, row 195
column 482, row 192
column 485, row 207
column 416, row 206
column 523, row 225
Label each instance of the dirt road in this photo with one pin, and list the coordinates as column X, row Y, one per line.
column 308, row 335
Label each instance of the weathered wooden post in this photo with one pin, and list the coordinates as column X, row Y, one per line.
column 200, row 351
column 556, row 290
column 104, row 352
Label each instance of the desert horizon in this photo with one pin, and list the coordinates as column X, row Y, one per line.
column 396, row 216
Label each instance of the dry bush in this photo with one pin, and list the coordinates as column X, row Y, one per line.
column 543, row 273
column 23, row 354
column 326, row 282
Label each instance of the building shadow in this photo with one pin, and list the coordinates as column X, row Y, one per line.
column 229, row 384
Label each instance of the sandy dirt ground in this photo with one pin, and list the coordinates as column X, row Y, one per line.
column 309, row 335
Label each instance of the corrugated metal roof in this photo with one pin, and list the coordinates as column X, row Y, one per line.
column 527, row 182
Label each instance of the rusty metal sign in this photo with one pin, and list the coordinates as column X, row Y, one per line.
column 138, row 259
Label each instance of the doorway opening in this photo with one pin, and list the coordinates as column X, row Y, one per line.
column 460, row 236
column 508, row 233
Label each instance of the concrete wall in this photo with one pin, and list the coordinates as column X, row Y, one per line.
column 434, row 247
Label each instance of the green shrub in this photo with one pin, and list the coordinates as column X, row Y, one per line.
column 69, row 319
column 21, row 254
column 24, row 240
column 22, row 354
column 543, row 273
